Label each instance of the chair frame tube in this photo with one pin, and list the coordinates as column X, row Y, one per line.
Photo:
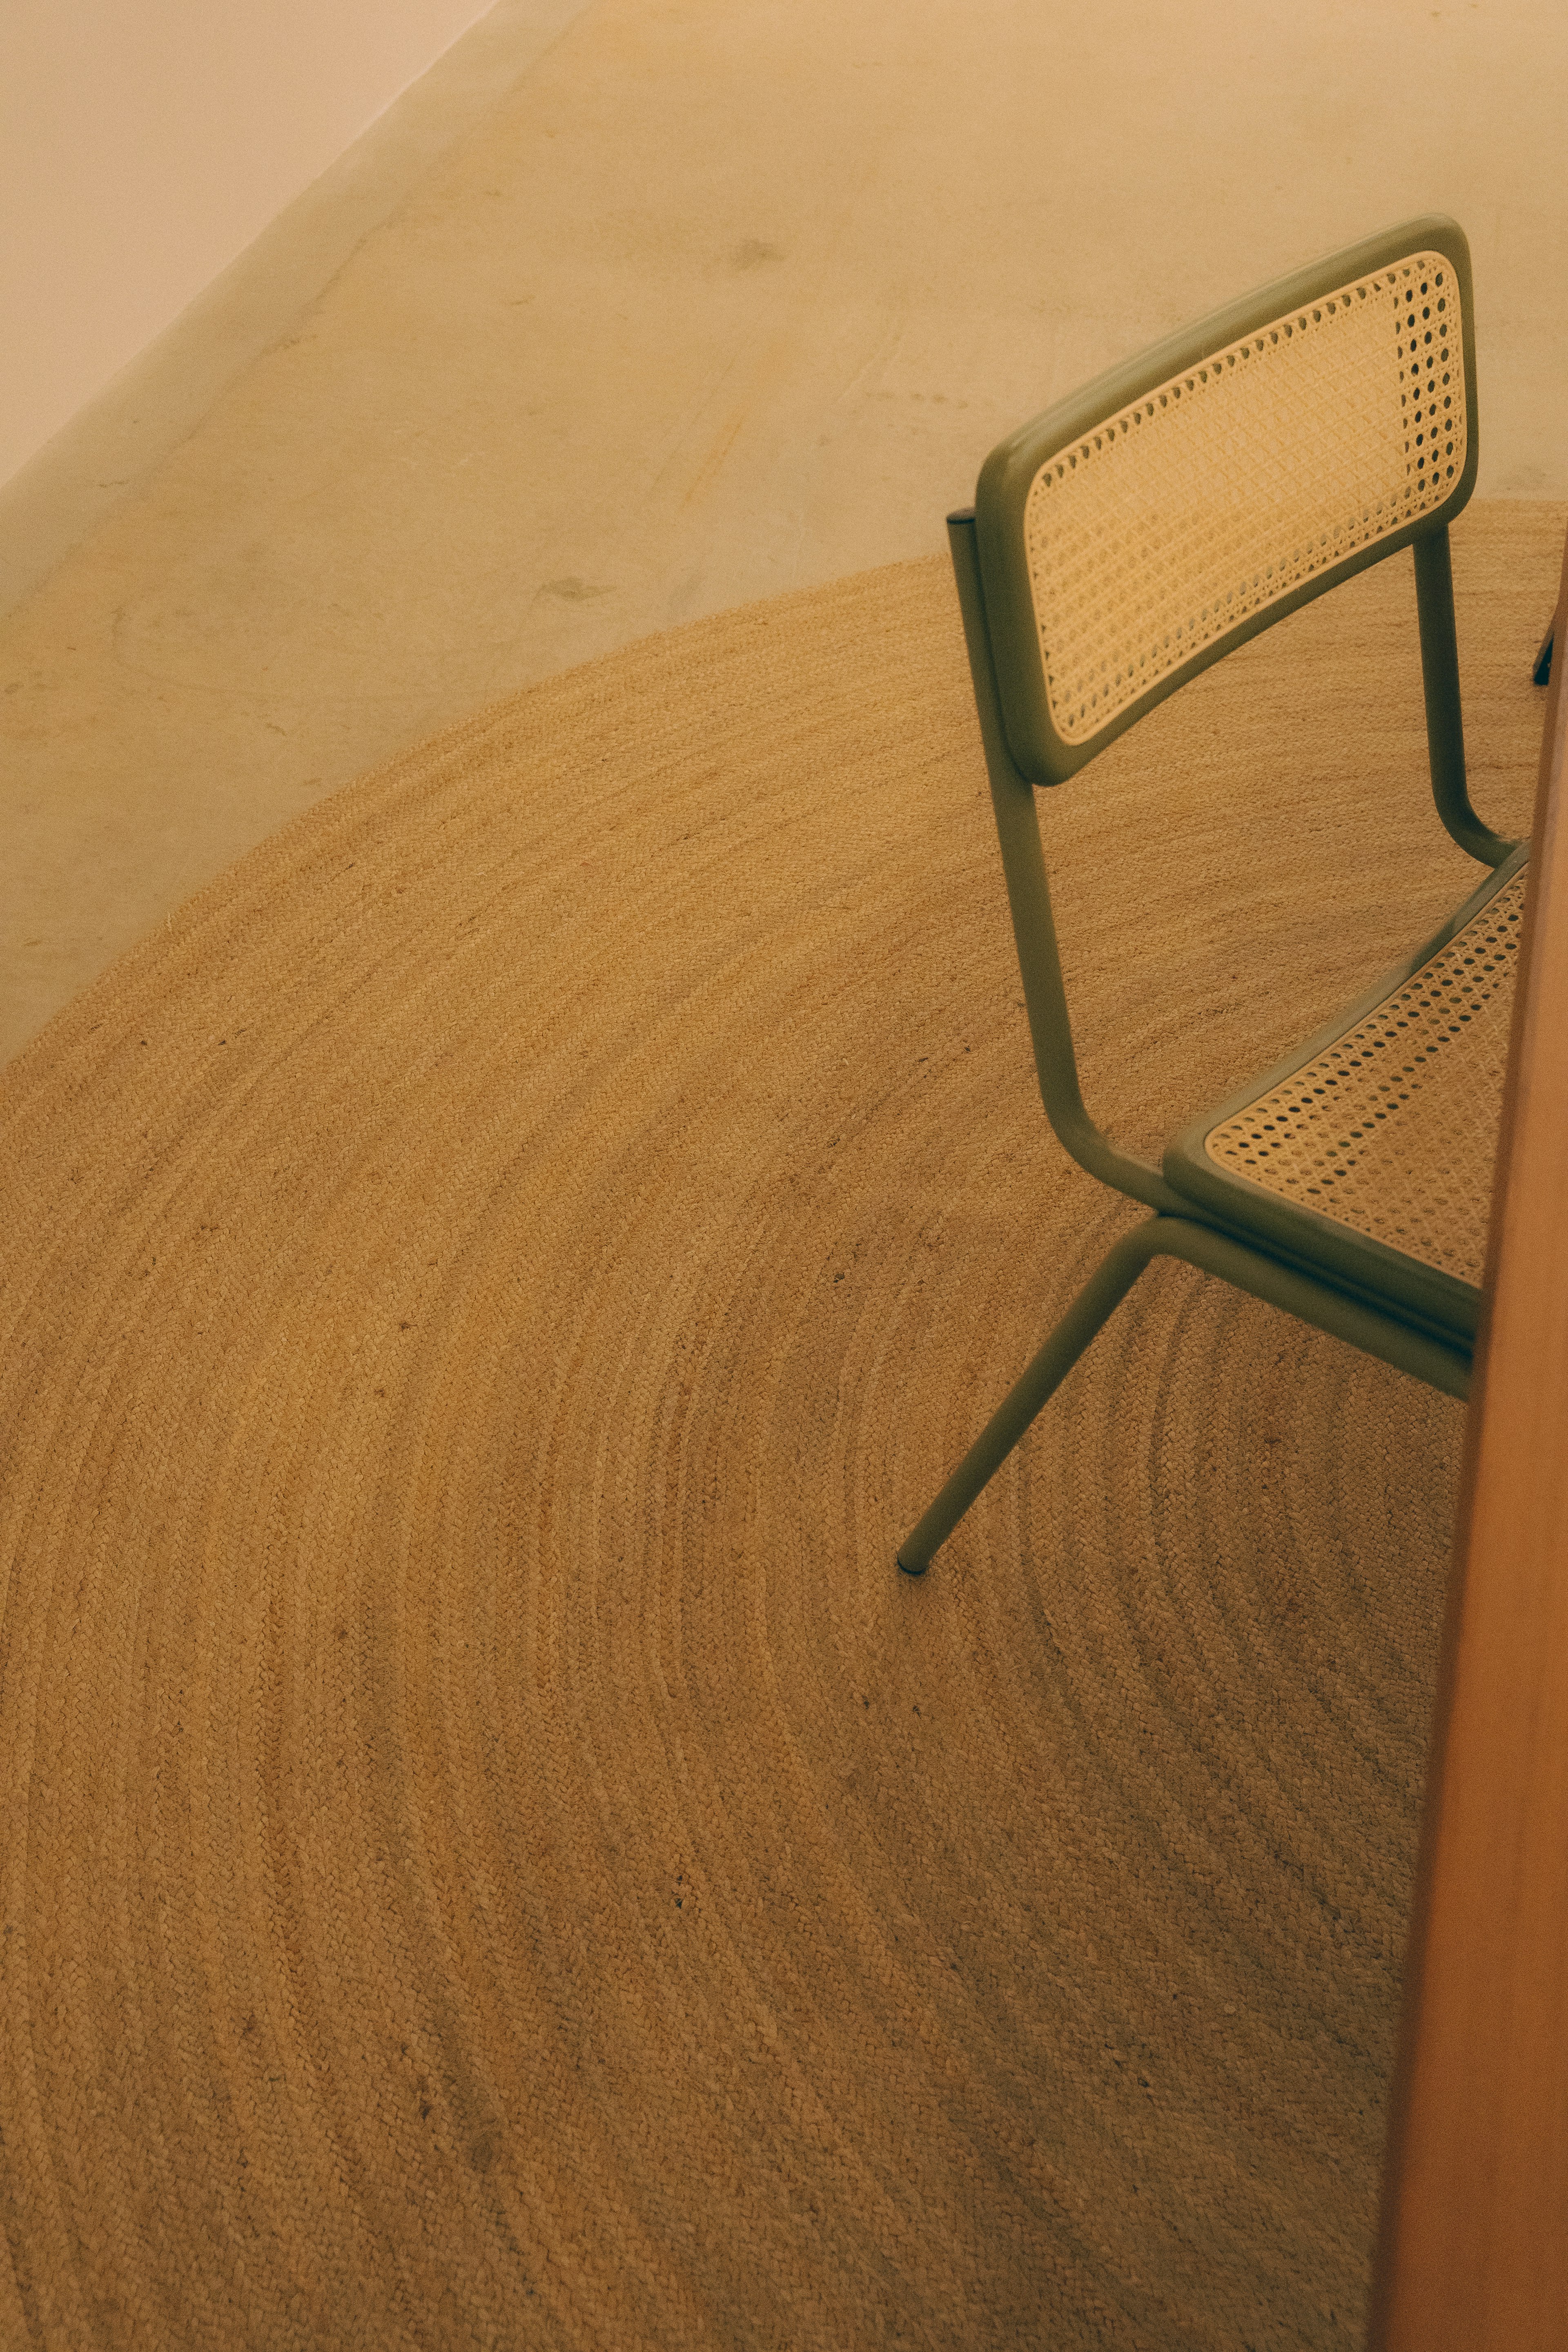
column 1311, row 1301
column 1178, row 1227
column 1440, row 688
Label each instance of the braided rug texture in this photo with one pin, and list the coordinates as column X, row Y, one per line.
column 493, row 1853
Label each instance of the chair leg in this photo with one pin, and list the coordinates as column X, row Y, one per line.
column 1541, row 668
column 1094, row 1306
column 1444, row 1364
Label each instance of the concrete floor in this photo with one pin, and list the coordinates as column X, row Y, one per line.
column 639, row 308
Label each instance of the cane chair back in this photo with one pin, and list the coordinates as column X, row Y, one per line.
column 1144, row 528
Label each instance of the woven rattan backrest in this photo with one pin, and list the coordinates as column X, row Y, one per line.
column 1184, row 502
column 1235, row 481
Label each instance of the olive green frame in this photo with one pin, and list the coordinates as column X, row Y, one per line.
column 1382, row 1302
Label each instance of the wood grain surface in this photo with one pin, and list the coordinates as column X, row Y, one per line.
column 1474, row 2252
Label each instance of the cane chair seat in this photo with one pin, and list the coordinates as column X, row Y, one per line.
column 1387, row 1128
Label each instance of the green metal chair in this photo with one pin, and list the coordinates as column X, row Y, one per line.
column 1117, row 546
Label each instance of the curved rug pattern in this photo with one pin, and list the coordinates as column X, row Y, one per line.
column 495, row 1854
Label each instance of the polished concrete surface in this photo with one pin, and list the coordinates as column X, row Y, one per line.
column 669, row 305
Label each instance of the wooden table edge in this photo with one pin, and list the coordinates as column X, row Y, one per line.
column 1472, row 2251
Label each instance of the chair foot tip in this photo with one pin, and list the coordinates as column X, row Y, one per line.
column 917, row 1569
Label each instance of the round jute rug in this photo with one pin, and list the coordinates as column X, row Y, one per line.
column 495, row 1854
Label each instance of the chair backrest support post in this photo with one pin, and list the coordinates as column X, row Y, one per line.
column 1034, row 929
column 1440, row 685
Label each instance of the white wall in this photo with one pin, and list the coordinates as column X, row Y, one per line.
column 143, row 143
